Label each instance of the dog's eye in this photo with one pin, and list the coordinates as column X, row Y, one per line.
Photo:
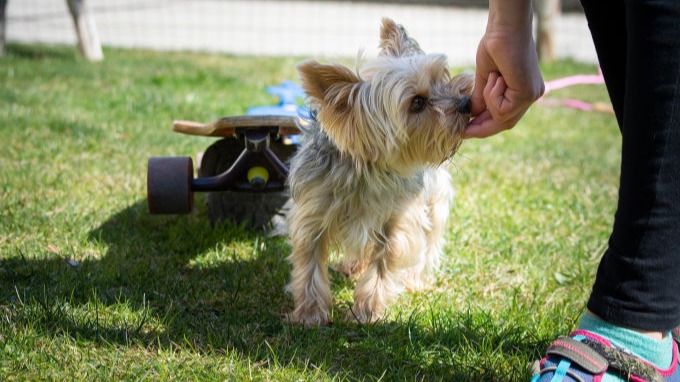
column 418, row 104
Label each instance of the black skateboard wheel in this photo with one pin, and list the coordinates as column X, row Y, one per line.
column 169, row 185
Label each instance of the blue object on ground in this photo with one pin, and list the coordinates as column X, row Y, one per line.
column 289, row 93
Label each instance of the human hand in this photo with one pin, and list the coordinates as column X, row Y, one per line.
column 508, row 79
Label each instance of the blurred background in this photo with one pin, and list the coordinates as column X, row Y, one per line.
column 276, row 27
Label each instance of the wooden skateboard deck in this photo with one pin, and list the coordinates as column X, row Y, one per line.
column 226, row 126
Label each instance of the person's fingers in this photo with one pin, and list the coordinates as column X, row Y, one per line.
column 484, row 125
column 499, row 98
column 478, row 104
column 504, row 109
column 496, row 95
column 481, row 126
column 491, row 83
column 504, row 103
column 487, row 123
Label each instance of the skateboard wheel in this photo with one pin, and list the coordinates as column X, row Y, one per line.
column 169, row 185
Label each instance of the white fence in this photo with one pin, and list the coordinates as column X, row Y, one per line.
column 279, row 28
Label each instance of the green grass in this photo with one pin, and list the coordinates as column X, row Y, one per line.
column 94, row 288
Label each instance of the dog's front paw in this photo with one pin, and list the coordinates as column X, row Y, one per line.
column 309, row 318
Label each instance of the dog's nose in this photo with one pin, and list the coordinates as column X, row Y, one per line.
column 464, row 105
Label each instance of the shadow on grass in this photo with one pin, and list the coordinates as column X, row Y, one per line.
column 212, row 290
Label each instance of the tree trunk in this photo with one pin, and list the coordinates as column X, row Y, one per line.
column 3, row 27
column 547, row 14
column 88, row 39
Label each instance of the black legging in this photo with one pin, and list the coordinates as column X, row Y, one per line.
column 638, row 46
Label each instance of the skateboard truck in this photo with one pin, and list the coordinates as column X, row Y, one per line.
column 257, row 148
column 257, row 169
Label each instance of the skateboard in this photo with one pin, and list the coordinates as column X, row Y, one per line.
column 243, row 173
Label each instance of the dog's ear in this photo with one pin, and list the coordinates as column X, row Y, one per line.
column 337, row 91
column 327, row 84
column 394, row 41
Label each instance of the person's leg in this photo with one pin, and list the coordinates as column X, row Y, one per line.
column 636, row 280
column 607, row 23
column 638, row 45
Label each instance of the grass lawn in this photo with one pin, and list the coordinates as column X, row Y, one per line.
column 94, row 288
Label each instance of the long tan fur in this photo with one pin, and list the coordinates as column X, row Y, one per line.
column 370, row 178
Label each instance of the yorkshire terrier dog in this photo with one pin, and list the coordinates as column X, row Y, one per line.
column 370, row 178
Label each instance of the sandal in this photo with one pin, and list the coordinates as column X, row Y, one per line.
column 586, row 357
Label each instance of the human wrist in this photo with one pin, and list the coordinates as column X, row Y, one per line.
column 510, row 15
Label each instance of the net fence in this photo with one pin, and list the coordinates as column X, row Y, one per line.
column 277, row 27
